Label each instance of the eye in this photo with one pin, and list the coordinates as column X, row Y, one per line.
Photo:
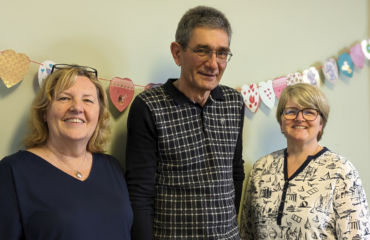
column 202, row 51
column 309, row 112
column 290, row 111
column 88, row 100
column 222, row 54
column 63, row 98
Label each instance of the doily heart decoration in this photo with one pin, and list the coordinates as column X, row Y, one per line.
column 251, row 97
column 311, row 76
column 121, row 92
column 357, row 55
column 278, row 85
column 365, row 45
column 267, row 94
column 330, row 70
column 13, row 67
column 44, row 70
column 345, row 65
column 294, row 78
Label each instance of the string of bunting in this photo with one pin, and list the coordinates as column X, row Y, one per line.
column 14, row 66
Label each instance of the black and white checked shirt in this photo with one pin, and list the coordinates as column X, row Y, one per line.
column 184, row 164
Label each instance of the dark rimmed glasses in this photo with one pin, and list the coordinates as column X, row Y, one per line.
column 309, row 114
column 222, row 56
column 68, row 66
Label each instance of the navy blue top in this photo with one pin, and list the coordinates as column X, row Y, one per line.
column 38, row 201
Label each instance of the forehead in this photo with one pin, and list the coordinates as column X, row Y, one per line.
column 212, row 37
column 82, row 84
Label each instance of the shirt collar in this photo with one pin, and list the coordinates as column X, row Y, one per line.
column 180, row 98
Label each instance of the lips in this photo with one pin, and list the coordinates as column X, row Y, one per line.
column 74, row 120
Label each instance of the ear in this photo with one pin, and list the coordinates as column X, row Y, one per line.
column 176, row 50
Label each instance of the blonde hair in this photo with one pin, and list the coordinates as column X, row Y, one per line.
column 305, row 96
column 55, row 83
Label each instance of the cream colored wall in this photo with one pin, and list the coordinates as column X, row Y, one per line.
column 129, row 38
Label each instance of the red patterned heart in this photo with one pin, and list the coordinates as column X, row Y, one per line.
column 121, row 92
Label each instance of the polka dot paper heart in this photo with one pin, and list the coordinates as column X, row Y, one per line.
column 267, row 94
column 278, row 85
column 345, row 65
column 330, row 70
column 121, row 92
column 13, row 67
column 294, row 78
column 365, row 45
column 357, row 55
column 44, row 70
column 251, row 97
column 311, row 76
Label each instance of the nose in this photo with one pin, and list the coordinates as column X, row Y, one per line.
column 76, row 106
column 212, row 60
column 299, row 116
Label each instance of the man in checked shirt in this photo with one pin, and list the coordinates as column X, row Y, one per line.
column 184, row 145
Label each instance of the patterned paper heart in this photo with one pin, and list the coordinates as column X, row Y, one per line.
column 330, row 70
column 251, row 97
column 279, row 84
column 345, row 64
column 267, row 94
column 365, row 45
column 152, row 85
column 311, row 76
column 45, row 70
column 121, row 92
column 357, row 55
column 13, row 67
column 294, row 78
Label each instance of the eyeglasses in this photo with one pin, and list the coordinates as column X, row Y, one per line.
column 309, row 114
column 69, row 66
column 222, row 56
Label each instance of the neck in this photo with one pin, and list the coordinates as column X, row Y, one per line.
column 73, row 150
column 303, row 150
column 196, row 95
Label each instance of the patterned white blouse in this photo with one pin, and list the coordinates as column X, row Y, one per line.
column 323, row 199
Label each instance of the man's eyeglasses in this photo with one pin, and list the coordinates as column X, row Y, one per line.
column 309, row 114
column 222, row 56
column 68, row 66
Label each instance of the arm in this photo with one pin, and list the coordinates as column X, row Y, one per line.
column 238, row 165
column 141, row 160
column 10, row 222
column 350, row 205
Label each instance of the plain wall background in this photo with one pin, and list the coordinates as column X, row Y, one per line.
column 131, row 39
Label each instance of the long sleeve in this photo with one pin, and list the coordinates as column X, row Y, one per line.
column 238, row 165
column 350, row 205
column 10, row 223
column 141, row 160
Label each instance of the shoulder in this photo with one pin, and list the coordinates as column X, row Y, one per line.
column 271, row 157
column 16, row 158
column 332, row 160
column 230, row 93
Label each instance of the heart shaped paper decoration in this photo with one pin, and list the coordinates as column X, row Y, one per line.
column 311, row 76
column 13, row 67
column 45, row 70
column 279, row 84
column 357, row 55
column 294, row 78
column 345, row 64
column 330, row 70
column 152, row 85
column 251, row 97
column 365, row 45
column 267, row 94
column 121, row 92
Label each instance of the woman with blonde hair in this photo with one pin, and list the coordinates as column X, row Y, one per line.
column 304, row 191
column 63, row 186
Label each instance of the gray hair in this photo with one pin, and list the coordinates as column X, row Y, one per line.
column 200, row 16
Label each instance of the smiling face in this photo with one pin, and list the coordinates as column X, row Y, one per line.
column 299, row 130
column 73, row 114
column 201, row 74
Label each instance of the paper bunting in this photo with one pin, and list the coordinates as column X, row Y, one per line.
column 365, row 45
column 121, row 92
column 44, row 70
column 345, row 64
column 13, row 67
column 357, row 55
column 311, row 76
column 251, row 96
column 278, row 85
column 267, row 94
column 294, row 78
column 330, row 70
column 152, row 85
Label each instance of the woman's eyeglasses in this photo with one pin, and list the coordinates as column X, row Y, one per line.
column 68, row 66
column 309, row 114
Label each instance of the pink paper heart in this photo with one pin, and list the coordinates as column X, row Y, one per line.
column 357, row 55
column 121, row 92
column 251, row 97
column 330, row 70
column 267, row 94
column 278, row 85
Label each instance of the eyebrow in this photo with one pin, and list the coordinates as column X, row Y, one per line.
column 207, row 46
